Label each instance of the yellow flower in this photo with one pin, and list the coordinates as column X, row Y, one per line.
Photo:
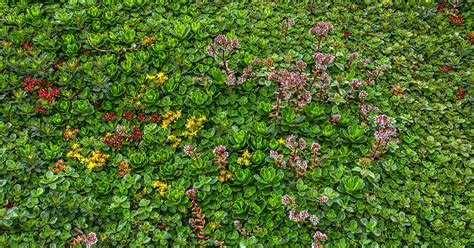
column 281, row 141
column 169, row 118
column 214, row 225
column 75, row 146
column 161, row 186
column 193, row 126
column 150, row 77
column 245, row 158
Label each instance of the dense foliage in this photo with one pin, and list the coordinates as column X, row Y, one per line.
column 146, row 123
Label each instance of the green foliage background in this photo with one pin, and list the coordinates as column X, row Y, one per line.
column 423, row 190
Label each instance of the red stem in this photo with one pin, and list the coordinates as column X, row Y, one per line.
column 375, row 150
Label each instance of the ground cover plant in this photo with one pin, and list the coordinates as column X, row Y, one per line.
column 145, row 123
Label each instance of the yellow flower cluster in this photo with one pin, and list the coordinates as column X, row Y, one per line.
column 160, row 78
column 225, row 175
column 193, row 126
column 161, row 186
column 96, row 160
column 176, row 141
column 245, row 158
column 169, row 118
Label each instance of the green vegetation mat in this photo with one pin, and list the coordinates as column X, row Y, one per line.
column 142, row 123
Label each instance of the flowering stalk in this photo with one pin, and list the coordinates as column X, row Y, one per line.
column 192, row 152
column 298, row 216
column 89, row 240
column 295, row 163
column 321, row 61
column 355, row 84
column 240, row 228
column 385, row 132
column 365, row 110
column 321, row 30
column 198, row 223
column 221, row 155
column 219, row 49
column 291, row 88
column 285, row 25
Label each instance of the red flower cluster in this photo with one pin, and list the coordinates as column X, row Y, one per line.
column 461, row 93
column 58, row 64
column 110, row 116
column 346, row 34
column 127, row 115
column 470, row 38
column 121, row 136
column 444, row 69
column 30, row 83
column 456, row 19
column 136, row 135
column 27, row 47
column 45, row 91
column 441, row 7
column 49, row 93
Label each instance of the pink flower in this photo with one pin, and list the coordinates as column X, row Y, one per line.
column 315, row 148
column 335, row 118
column 314, row 220
column 286, row 200
column 275, row 155
column 362, row 95
column 321, row 29
column 302, row 143
column 188, row 150
column 290, row 142
column 91, row 239
column 320, row 236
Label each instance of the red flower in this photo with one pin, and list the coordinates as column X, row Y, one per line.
column 141, row 117
column 444, row 69
column 27, row 47
column 128, row 115
column 48, row 94
column 346, row 34
column 136, row 135
column 154, row 118
column 58, row 64
column 110, row 117
column 441, row 7
column 8, row 206
column 470, row 38
column 456, row 19
column 460, row 94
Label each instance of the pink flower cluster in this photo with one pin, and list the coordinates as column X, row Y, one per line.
column 222, row 42
column 298, row 216
column 294, row 160
column 218, row 50
column 370, row 80
column 221, row 155
column 384, row 133
column 288, row 22
column 321, row 61
column 335, row 118
column 320, row 236
column 291, row 88
column 321, row 29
